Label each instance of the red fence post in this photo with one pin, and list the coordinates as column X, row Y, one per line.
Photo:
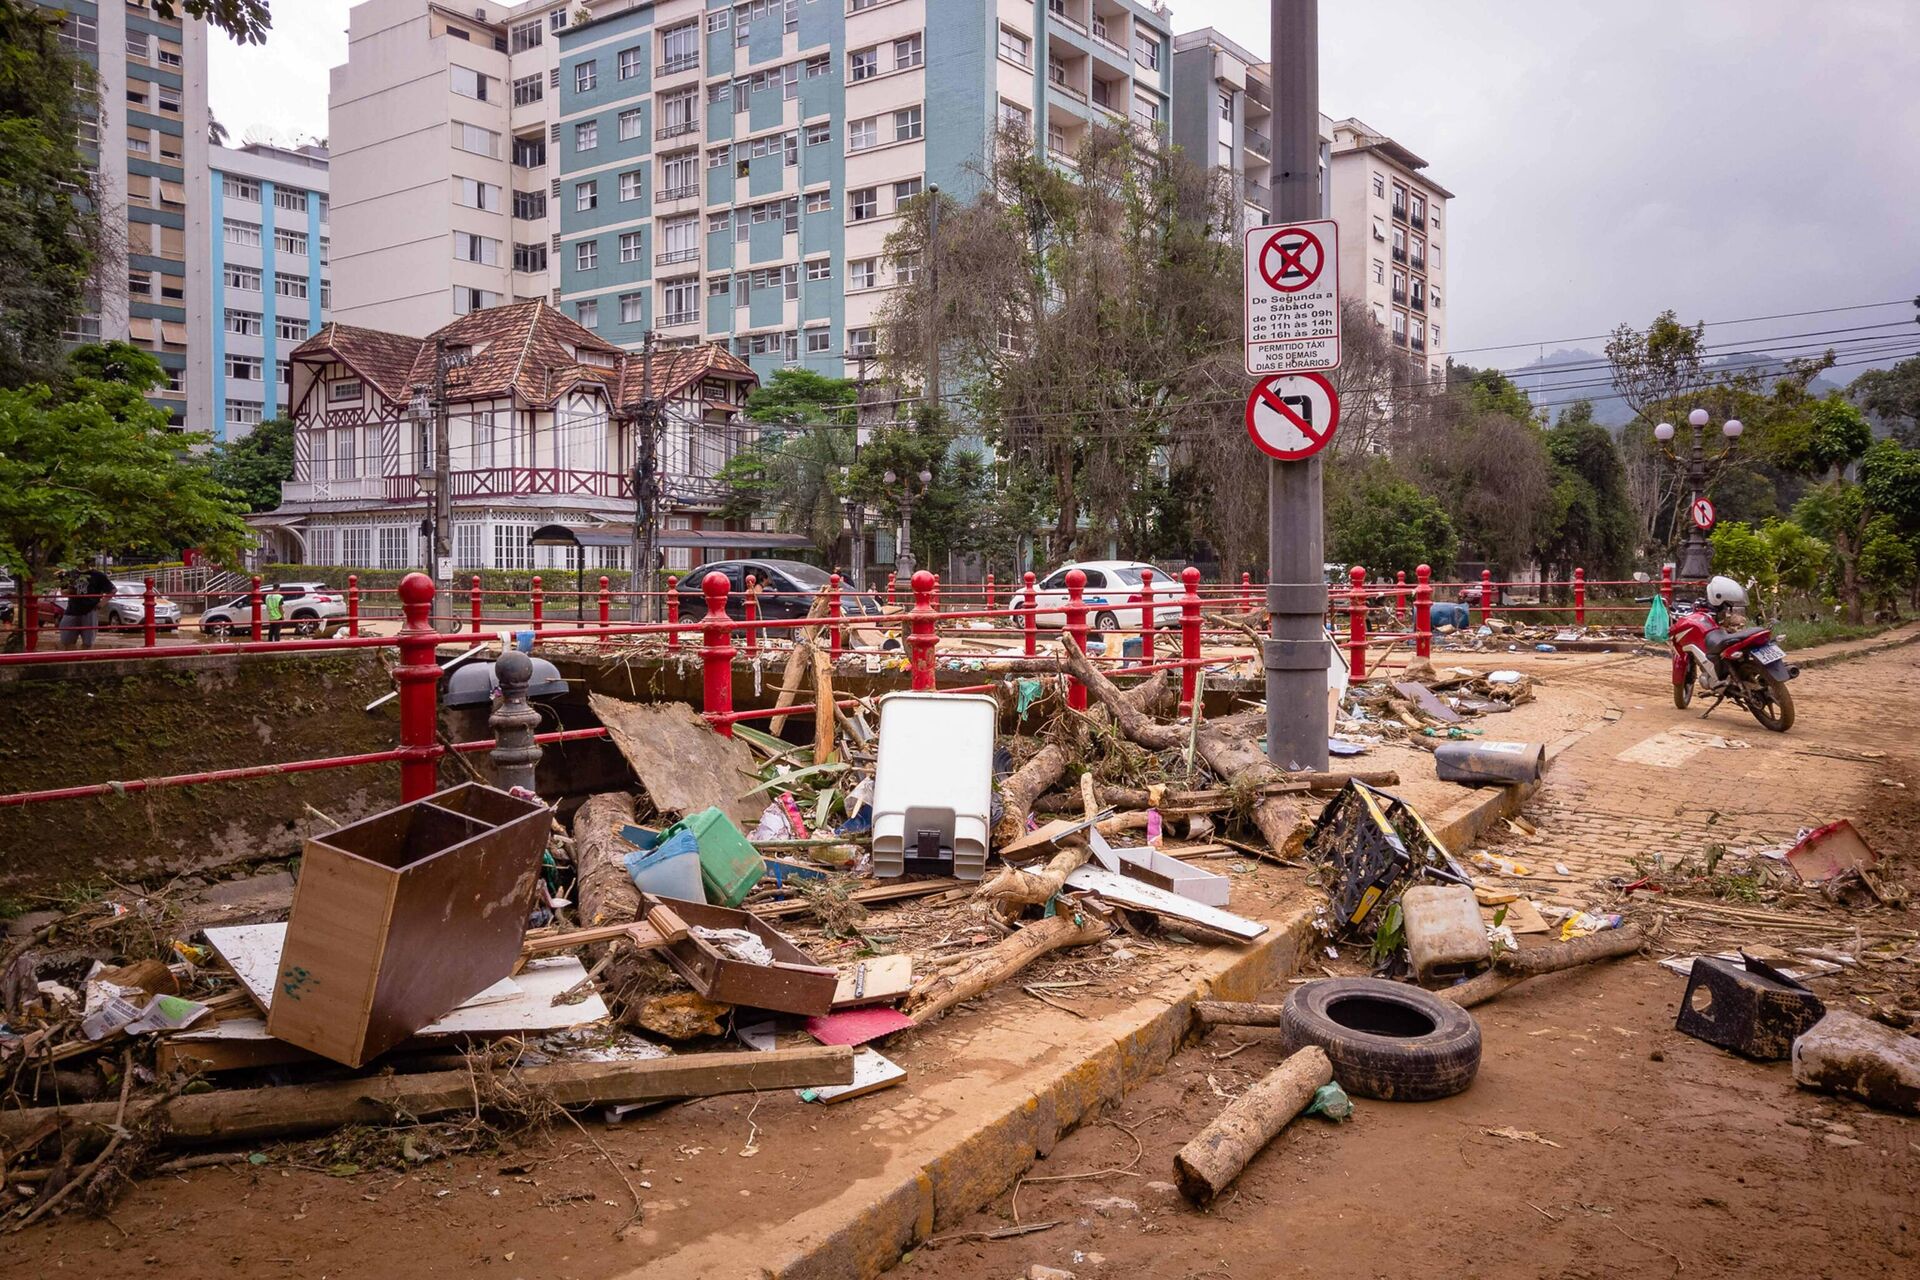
column 716, row 657
column 475, row 603
column 989, row 591
column 921, row 638
column 750, row 615
column 1666, row 586
column 1030, row 616
column 30, row 618
column 936, row 593
column 1077, row 628
column 1486, row 595
column 890, row 597
column 539, row 603
column 418, row 676
column 1189, row 638
column 1357, row 624
column 606, row 605
column 673, row 611
column 1579, row 597
column 152, row 636
column 836, row 636
column 1246, row 592
column 353, row 604
column 1423, row 612
column 253, row 600
column 1147, row 619
column 1399, row 595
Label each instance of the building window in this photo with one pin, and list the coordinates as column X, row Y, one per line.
column 718, row 286
column 819, row 201
column 632, row 124
column 474, row 194
column 393, row 545
column 471, row 84
column 679, row 239
column 1015, row 116
column 586, row 76
column 819, row 65
column 679, row 48
column 79, row 34
column 586, row 135
column 678, row 113
column 680, row 300
column 1379, row 271
column 243, row 233
column 630, row 246
column 819, row 341
column 1146, row 48
column 289, row 286
column 557, row 20
column 466, row 299
column 1433, row 299
column 345, row 389
column 166, row 99
column 908, row 124
column 529, row 153
column 245, row 323
column 586, row 255
column 819, row 133
column 861, row 274
column 528, row 90
column 525, row 36
column 588, row 313
column 243, row 413
column 863, row 203
column 530, row 257
column 820, row 269
column 863, row 64
column 908, row 51
column 905, row 190
column 244, row 368
column 473, row 139
column 862, row 134
column 679, row 175
column 292, row 328
column 863, row 343
column 1379, row 186
column 586, row 195
column 468, row 247
column 906, row 268
column 240, row 188
column 633, row 308
column 629, row 63
column 242, row 277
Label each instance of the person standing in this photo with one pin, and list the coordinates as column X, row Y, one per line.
column 276, row 612
column 80, row 617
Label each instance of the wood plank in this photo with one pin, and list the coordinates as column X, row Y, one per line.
column 1126, row 892
column 879, row 893
column 684, row 765
column 875, row 980
column 246, row 1115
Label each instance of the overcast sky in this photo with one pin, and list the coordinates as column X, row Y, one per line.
column 1727, row 158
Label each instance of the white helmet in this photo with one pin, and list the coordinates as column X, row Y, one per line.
column 1723, row 591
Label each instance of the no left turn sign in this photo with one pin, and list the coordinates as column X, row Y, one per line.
column 1292, row 416
column 1702, row 513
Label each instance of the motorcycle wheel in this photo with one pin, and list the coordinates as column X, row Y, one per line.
column 1773, row 705
column 1683, row 692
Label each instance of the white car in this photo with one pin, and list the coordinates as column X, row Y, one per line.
column 309, row 609
column 1115, row 595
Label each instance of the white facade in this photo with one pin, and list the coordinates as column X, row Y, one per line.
column 1393, row 225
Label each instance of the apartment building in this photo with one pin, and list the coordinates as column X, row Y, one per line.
column 723, row 170
column 1392, row 217
column 268, row 249
column 147, row 137
column 1223, row 117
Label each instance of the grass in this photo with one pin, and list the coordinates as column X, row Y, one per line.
column 1804, row 633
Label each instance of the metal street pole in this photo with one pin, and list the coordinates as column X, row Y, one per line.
column 640, row 578
column 442, row 496
column 1296, row 653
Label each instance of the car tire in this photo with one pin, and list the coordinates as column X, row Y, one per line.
column 1106, row 621
column 306, row 624
column 1386, row 1040
column 218, row 629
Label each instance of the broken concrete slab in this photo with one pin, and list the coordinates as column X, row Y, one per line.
column 684, row 765
column 1846, row 1053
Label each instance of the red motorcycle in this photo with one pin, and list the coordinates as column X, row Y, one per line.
column 1744, row 664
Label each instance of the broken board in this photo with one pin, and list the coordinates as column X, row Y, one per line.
column 1427, row 701
column 1139, row 896
column 857, row 1026
column 875, row 980
column 684, row 765
column 871, row 1072
column 1048, row 834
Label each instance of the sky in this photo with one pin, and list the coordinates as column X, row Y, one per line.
column 1726, row 158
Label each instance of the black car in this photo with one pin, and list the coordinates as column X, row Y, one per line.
column 786, row 591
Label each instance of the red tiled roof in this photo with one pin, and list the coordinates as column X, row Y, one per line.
column 675, row 367
column 384, row 359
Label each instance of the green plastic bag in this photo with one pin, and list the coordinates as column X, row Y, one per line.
column 1656, row 628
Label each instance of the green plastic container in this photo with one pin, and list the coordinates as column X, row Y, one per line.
column 729, row 864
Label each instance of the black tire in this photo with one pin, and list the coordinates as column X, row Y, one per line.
column 1105, row 620
column 218, row 629
column 1683, row 692
column 306, row 624
column 1387, row 1040
column 1776, row 713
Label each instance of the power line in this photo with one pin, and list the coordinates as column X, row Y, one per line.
column 1784, row 315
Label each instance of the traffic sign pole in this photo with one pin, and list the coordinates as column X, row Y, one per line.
column 1296, row 652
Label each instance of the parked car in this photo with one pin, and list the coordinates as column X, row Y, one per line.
column 45, row 607
column 787, row 589
column 310, row 608
column 128, row 608
column 1114, row 594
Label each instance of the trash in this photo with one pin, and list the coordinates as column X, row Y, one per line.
column 1828, row 852
column 1511, row 967
column 1209, row 1163
column 1331, row 1101
column 1494, row 862
column 1544, row 648
column 871, row 1072
column 683, row 764
column 117, row 1013
column 1136, row 895
column 1386, row 1040
column 1490, row 762
column 796, row 821
column 683, row 1015
column 857, row 1026
column 1154, row 828
column 1428, row 702
column 789, row 982
column 1657, row 623
column 1582, row 923
column 1846, row 1053
column 773, row 824
column 1519, row 1135
column 729, row 864
column 1754, row 1010
column 1025, row 694
column 670, row 869
column 1448, row 613
column 1799, row 970
column 1374, row 841
column 400, row 917
column 741, row 944
column 933, row 784
column 875, row 980
column 1446, row 940
column 1150, row 866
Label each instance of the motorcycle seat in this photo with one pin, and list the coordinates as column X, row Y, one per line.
column 1718, row 640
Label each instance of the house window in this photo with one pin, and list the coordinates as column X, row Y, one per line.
column 680, row 239
column 631, row 187
column 586, row 75
column 471, row 84
column 630, row 246
column 245, row 323
column 525, row 36
column 345, row 389
column 528, row 90
column 468, row 247
column 820, row 269
column 1016, row 48
column 244, row 233
column 819, row 133
column 679, row 174
column 475, row 194
column 1015, row 116
column 908, row 124
column 633, row 308
column 586, row 135
column 863, row 343
column 680, row 300
column 466, row 299
column 1379, row 186
column 529, row 257
column 1146, row 48
column 586, row 255
column 819, row 201
column 393, row 545
column 588, row 313
column 631, row 124
column 473, row 139
column 586, row 195
column 241, row 277
column 905, row 190
column 863, row 64
column 908, row 52
column 629, row 63
column 529, row 153
column 292, row 328
column 244, row 368
column 240, row 188
column 862, row 134
column 906, row 268
column 861, row 274
column 529, row 205
column 289, row 286
column 863, row 203
column 819, row 341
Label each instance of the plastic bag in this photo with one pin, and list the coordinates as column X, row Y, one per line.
column 1331, row 1101
column 1656, row 628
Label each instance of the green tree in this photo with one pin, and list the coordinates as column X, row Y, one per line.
column 93, row 469
column 255, row 465
column 797, row 469
column 1823, row 440
column 1893, row 396
column 1490, row 391
column 50, row 230
column 1384, row 523
column 1740, row 552
column 247, row 21
column 1887, row 564
column 1798, row 558
column 1591, row 521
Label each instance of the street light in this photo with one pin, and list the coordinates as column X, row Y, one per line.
column 1696, row 555
column 856, row 509
column 903, row 557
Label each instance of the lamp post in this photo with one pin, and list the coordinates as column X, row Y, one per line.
column 903, row 555
column 1696, row 554
column 428, row 409
column 856, row 509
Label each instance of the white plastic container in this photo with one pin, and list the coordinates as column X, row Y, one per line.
column 1446, row 940
column 1156, row 868
column 934, row 773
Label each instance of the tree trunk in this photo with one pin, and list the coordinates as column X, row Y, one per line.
column 1518, row 966
column 605, row 891
column 1217, row 1154
column 1074, row 926
column 1023, row 787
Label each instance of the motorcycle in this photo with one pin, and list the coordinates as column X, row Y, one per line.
column 1744, row 664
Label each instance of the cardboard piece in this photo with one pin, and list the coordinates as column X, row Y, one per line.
column 1425, row 699
column 1047, row 834
column 684, row 765
column 1521, row 916
column 1830, row 851
column 875, row 980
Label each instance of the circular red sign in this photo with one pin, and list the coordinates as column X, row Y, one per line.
column 1275, row 274
column 1702, row 513
column 1291, row 416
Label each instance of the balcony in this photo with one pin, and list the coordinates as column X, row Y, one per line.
column 356, row 489
column 1419, row 343
column 680, row 130
column 1259, row 144
column 1399, row 255
column 674, row 66
column 672, row 256
column 1419, row 303
column 673, row 319
column 1399, row 212
column 679, row 193
column 1104, row 34
column 1400, row 339
column 1400, row 295
column 1260, row 94
column 1261, row 194
column 1418, row 262
column 1419, row 221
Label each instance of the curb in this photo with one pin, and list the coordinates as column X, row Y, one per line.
column 1470, row 818
column 985, row 1162
column 1829, row 659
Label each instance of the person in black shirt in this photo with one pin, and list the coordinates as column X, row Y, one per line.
column 80, row 618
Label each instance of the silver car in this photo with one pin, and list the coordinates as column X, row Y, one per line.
column 309, row 609
column 128, row 608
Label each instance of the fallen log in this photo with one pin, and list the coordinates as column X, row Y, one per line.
column 1208, row 1164
column 1023, row 786
column 1517, row 966
column 1075, row 925
column 248, row 1115
column 1214, row 799
column 1014, row 888
column 823, row 710
column 606, row 892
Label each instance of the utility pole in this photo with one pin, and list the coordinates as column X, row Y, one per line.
column 1296, row 652
column 933, row 308
column 645, row 478
column 442, row 495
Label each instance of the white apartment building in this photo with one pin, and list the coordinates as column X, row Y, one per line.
column 1392, row 218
